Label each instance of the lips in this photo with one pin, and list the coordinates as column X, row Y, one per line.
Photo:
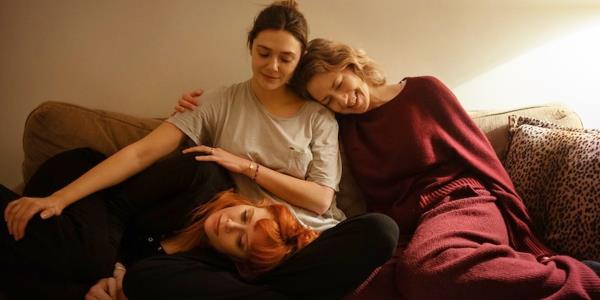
column 270, row 77
column 353, row 99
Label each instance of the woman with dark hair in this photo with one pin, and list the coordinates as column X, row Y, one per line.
column 418, row 157
column 275, row 145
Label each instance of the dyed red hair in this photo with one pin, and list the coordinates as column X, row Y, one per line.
column 277, row 238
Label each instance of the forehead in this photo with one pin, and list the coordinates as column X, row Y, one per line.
column 278, row 40
column 320, row 84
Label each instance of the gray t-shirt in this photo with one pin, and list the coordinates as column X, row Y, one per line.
column 304, row 146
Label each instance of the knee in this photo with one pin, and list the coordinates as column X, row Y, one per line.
column 60, row 170
column 211, row 174
column 381, row 235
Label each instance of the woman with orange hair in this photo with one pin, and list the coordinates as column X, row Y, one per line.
column 254, row 236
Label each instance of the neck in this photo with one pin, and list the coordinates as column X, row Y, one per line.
column 270, row 98
column 382, row 94
column 280, row 102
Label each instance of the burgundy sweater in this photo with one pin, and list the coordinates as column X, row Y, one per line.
column 416, row 144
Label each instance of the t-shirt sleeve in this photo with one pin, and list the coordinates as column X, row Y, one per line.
column 199, row 124
column 326, row 166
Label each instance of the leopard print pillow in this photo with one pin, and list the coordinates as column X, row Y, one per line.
column 556, row 170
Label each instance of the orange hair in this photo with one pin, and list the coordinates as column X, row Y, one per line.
column 280, row 237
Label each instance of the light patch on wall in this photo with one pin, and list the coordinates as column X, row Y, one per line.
column 566, row 70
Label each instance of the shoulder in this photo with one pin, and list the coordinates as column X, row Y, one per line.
column 429, row 88
column 223, row 95
column 430, row 83
column 318, row 112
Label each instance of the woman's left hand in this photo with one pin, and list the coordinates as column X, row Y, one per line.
column 229, row 161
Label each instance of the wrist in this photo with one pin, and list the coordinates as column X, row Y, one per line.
column 60, row 200
column 252, row 170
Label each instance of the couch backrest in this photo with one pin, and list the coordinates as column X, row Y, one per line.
column 54, row 127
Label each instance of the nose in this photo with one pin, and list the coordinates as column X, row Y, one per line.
column 342, row 97
column 273, row 64
column 231, row 225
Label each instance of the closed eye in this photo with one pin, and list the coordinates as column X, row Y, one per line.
column 246, row 216
column 240, row 241
column 339, row 85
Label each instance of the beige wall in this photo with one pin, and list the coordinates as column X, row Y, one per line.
column 138, row 56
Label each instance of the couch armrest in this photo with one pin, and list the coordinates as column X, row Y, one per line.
column 54, row 127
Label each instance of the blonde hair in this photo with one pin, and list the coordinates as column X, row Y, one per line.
column 280, row 237
column 326, row 56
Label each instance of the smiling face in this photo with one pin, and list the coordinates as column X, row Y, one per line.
column 275, row 55
column 341, row 91
column 231, row 230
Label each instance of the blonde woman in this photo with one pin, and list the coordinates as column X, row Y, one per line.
column 468, row 233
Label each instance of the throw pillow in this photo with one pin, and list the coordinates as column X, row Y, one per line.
column 556, row 170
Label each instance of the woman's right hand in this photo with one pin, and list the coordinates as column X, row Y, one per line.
column 188, row 101
column 18, row 213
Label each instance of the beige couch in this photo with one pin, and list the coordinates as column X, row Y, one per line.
column 55, row 126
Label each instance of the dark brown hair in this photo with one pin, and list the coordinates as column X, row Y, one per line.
column 281, row 15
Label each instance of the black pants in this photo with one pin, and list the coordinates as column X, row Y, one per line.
column 63, row 256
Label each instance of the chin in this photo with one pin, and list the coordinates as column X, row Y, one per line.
column 271, row 85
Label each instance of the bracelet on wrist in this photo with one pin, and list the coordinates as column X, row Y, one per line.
column 255, row 172
column 251, row 169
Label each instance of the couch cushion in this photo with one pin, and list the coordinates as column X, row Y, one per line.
column 556, row 170
column 54, row 127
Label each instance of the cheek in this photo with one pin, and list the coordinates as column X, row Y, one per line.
column 335, row 106
column 258, row 60
column 220, row 244
column 255, row 62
